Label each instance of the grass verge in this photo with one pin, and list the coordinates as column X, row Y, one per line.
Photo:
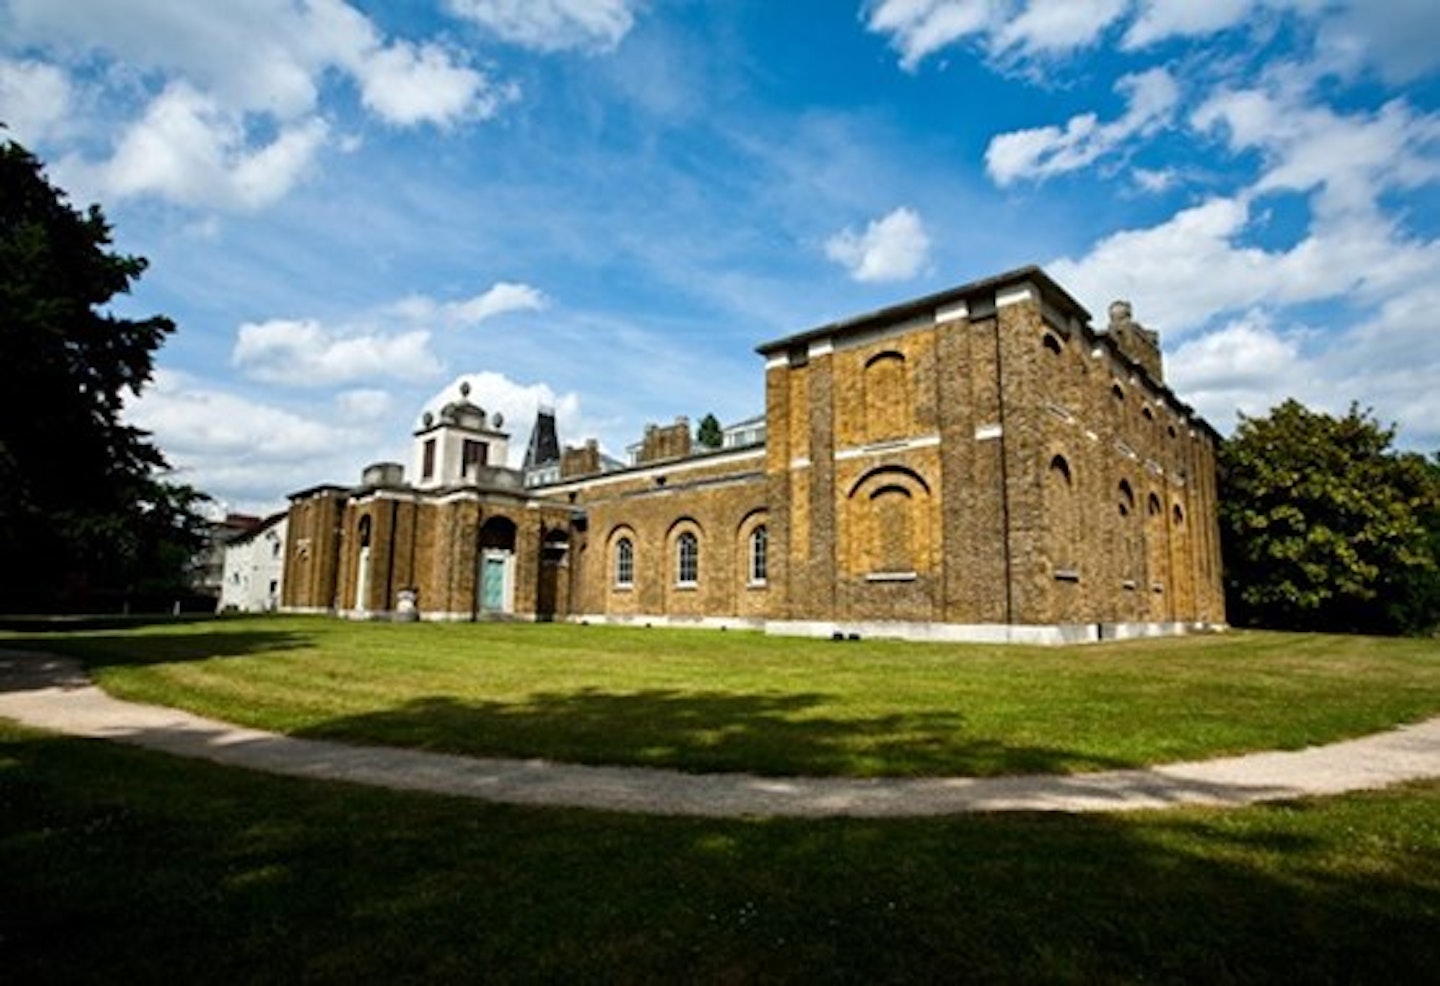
column 710, row 701
column 123, row 866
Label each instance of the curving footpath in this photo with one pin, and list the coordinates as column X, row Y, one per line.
column 53, row 693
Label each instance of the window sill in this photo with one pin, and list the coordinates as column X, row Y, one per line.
column 757, row 584
column 687, row 586
column 623, row 586
column 891, row 577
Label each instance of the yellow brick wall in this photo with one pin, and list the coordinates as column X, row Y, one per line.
column 991, row 462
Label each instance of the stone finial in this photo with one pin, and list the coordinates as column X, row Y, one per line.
column 1120, row 312
column 464, row 389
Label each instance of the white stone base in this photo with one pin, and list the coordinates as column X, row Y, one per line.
column 973, row 633
column 685, row 622
column 981, row 633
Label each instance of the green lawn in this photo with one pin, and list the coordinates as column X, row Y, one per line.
column 124, row 866
column 712, row 701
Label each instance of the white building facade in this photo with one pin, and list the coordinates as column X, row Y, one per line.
column 255, row 569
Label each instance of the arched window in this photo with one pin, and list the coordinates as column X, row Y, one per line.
column 887, row 396
column 1053, row 344
column 1061, row 518
column 1127, row 498
column 886, row 526
column 624, row 563
column 1157, row 552
column 893, row 547
column 759, row 550
column 687, row 559
column 364, row 532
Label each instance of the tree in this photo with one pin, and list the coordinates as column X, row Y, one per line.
column 75, row 481
column 1416, row 607
column 1324, row 526
column 708, row 434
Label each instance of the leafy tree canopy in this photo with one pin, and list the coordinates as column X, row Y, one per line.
column 708, row 433
column 78, row 492
column 1325, row 526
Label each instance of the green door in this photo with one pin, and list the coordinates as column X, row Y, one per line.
column 492, row 584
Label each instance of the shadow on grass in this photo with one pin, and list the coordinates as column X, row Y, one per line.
column 126, row 866
column 778, row 735
column 190, row 641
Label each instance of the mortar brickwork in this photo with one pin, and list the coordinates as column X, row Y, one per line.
column 977, row 458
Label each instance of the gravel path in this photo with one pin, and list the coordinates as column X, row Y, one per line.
column 53, row 693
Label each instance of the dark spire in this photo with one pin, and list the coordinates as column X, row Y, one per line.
column 544, row 446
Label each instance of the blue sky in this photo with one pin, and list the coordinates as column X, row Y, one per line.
column 606, row 204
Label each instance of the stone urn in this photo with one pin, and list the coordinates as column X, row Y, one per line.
column 406, row 611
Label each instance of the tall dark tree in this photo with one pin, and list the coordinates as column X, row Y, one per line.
column 708, row 433
column 74, row 479
column 1325, row 526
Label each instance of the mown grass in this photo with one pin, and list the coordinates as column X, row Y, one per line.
column 123, row 866
column 711, row 701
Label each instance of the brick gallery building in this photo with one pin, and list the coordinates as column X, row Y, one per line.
column 978, row 464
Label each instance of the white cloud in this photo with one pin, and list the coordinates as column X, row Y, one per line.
column 1162, row 19
column 192, row 151
column 552, row 25
column 919, row 28
column 1005, row 28
column 517, row 404
column 262, row 56
column 892, row 248
column 258, row 56
column 1178, row 273
column 364, row 404
column 1058, row 26
column 408, row 84
column 246, row 453
column 1397, row 37
column 1155, row 180
column 35, row 100
column 237, row 120
column 501, row 298
column 306, row 353
column 1245, row 354
column 187, row 418
column 1041, row 152
column 1350, row 159
column 1196, row 266
column 1201, row 262
column 1246, row 366
column 1385, row 361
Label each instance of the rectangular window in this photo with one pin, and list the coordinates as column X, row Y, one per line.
column 473, row 454
column 427, row 467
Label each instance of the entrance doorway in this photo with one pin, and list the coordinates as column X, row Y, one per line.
column 495, row 581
